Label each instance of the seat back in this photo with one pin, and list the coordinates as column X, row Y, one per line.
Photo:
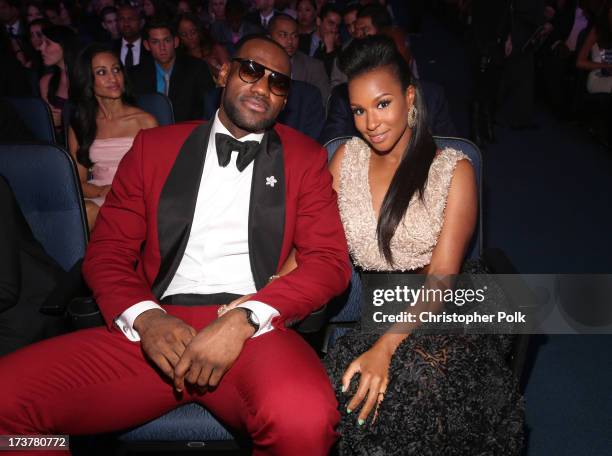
column 349, row 304
column 473, row 152
column 36, row 114
column 44, row 180
column 158, row 105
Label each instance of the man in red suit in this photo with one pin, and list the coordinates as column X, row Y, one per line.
column 197, row 216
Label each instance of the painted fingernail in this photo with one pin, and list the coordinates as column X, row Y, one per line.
column 348, row 411
column 343, row 389
column 360, row 422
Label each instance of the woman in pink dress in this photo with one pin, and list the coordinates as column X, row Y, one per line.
column 103, row 123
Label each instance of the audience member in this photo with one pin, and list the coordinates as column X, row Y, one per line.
column 35, row 32
column 371, row 20
column 283, row 30
column 198, row 43
column 325, row 41
column 185, row 7
column 307, row 21
column 52, row 11
column 90, row 24
column 182, row 78
column 286, row 7
column 36, row 28
column 349, row 19
column 595, row 55
column 109, row 22
column 157, row 8
column 58, row 50
column 10, row 19
column 33, row 10
column 217, row 9
column 132, row 51
column 103, row 124
column 263, row 14
column 231, row 30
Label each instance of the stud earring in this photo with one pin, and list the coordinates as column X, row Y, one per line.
column 412, row 116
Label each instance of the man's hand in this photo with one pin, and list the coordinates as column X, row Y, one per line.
column 213, row 351
column 163, row 338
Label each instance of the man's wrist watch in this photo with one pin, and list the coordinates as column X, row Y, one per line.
column 250, row 318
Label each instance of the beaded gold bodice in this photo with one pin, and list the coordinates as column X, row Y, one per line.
column 416, row 235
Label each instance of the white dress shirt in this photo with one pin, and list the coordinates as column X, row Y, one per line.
column 216, row 258
column 135, row 51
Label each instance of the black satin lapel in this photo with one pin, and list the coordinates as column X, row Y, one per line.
column 177, row 205
column 267, row 209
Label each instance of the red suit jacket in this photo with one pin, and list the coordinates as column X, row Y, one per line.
column 142, row 229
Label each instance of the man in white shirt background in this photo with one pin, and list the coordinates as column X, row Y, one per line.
column 130, row 46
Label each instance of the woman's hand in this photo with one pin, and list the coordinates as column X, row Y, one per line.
column 374, row 368
column 227, row 307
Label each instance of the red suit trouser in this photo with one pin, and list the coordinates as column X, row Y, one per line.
column 95, row 380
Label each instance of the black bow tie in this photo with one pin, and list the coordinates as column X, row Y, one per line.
column 226, row 145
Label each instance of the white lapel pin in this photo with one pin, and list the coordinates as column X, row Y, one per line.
column 271, row 181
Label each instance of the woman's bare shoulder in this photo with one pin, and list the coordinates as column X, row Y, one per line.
column 142, row 118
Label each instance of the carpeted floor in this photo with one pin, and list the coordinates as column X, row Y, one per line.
column 548, row 204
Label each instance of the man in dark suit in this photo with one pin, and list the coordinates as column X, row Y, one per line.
column 130, row 47
column 198, row 214
column 283, row 30
column 263, row 14
column 182, row 78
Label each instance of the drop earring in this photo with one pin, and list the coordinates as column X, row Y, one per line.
column 412, row 116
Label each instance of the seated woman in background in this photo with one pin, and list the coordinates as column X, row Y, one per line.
column 198, row 43
column 598, row 46
column 58, row 49
column 103, row 123
column 307, row 23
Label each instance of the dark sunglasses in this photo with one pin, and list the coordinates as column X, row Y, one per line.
column 251, row 72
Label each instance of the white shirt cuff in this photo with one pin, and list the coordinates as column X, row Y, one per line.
column 125, row 321
column 262, row 314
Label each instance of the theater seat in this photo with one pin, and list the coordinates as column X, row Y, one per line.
column 36, row 114
column 44, row 180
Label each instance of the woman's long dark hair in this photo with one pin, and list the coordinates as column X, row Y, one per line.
column 363, row 56
column 67, row 39
column 84, row 113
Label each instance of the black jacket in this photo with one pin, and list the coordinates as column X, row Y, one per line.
column 189, row 82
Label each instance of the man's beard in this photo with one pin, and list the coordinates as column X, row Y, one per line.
column 236, row 116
